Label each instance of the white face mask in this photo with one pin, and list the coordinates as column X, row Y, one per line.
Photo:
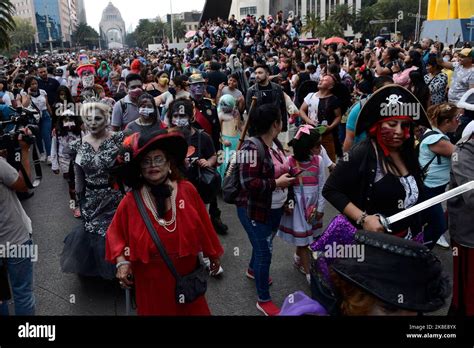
column 181, row 122
column 88, row 81
column 446, row 58
column 146, row 112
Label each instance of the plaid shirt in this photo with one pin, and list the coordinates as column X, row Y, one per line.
column 258, row 183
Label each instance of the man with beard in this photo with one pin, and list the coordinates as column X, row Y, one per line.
column 266, row 92
column 206, row 118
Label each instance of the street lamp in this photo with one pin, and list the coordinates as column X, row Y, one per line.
column 172, row 25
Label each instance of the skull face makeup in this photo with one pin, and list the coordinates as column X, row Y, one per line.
column 95, row 117
column 88, row 80
column 197, row 91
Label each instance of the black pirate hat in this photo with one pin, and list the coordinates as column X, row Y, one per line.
column 399, row 272
column 391, row 101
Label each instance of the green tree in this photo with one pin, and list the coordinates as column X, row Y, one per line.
column 362, row 19
column 145, row 32
column 179, row 29
column 23, row 35
column 342, row 14
column 7, row 23
column 389, row 10
column 85, row 36
column 312, row 24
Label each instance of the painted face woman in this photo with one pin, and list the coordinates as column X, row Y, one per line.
column 381, row 176
column 177, row 214
column 95, row 155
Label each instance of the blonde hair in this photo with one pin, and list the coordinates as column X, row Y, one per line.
column 94, row 108
column 440, row 112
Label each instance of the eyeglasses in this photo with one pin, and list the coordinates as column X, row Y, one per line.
column 157, row 161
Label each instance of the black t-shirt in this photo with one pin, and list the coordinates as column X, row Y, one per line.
column 326, row 109
column 267, row 98
column 206, row 151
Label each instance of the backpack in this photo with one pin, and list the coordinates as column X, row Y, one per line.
column 231, row 184
column 424, row 170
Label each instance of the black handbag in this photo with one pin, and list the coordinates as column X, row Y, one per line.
column 208, row 182
column 188, row 287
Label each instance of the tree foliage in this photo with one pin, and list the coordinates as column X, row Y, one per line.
column 23, row 37
column 7, row 23
column 343, row 15
column 85, row 36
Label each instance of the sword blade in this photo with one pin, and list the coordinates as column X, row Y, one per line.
column 431, row 202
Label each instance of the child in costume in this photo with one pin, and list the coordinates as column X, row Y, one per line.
column 303, row 218
column 67, row 130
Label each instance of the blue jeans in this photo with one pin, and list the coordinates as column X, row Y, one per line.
column 44, row 135
column 20, row 274
column 261, row 237
column 434, row 216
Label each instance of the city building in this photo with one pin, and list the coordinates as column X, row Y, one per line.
column 112, row 27
column 321, row 8
column 54, row 20
column 190, row 20
column 81, row 12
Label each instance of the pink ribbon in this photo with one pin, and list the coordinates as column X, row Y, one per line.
column 304, row 129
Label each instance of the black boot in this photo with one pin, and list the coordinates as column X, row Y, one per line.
column 219, row 226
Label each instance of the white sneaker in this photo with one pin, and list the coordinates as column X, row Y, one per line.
column 48, row 161
column 42, row 157
column 442, row 242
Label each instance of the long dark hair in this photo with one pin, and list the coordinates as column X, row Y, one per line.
column 420, row 89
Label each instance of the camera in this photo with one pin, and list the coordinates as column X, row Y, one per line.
column 10, row 131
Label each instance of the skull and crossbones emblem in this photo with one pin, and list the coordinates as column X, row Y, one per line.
column 394, row 99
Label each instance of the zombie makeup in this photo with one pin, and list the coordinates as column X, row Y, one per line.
column 197, row 91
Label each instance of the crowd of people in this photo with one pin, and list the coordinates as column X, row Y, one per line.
column 145, row 138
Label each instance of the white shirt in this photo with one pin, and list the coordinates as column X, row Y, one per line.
column 40, row 101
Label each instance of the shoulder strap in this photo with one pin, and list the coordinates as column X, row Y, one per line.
column 260, row 147
column 425, row 136
column 154, row 234
column 300, row 179
column 123, row 105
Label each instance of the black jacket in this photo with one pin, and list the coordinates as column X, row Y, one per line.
column 277, row 97
column 353, row 181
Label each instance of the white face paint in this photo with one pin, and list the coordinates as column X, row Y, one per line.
column 88, row 81
column 95, row 123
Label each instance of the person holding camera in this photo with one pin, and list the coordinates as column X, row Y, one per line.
column 34, row 97
column 15, row 231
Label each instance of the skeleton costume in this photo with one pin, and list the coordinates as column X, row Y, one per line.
column 84, row 249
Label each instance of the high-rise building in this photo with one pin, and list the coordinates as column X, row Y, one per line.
column 112, row 27
column 301, row 8
column 54, row 20
column 81, row 12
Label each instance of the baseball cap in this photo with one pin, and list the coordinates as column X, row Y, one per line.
column 467, row 52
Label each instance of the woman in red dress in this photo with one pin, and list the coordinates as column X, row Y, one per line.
column 178, row 215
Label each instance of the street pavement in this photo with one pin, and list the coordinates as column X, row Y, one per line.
column 60, row 294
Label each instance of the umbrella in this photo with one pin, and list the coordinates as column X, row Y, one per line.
column 336, row 40
column 190, row 34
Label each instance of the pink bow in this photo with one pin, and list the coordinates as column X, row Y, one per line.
column 305, row 129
